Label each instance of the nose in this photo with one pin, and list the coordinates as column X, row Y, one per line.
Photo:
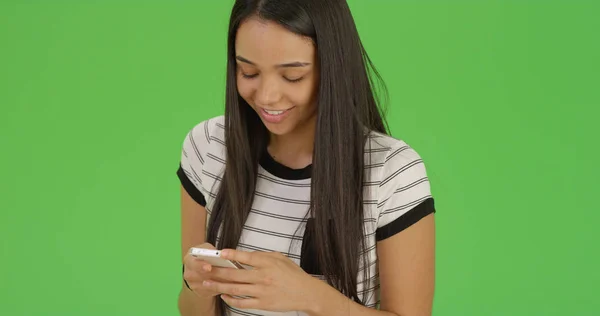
column 267, row 93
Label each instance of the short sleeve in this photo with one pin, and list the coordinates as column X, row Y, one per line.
column 193, row 155
column 404, row 192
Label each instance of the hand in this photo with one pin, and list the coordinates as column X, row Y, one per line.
column 274, row 284
column 197, row 271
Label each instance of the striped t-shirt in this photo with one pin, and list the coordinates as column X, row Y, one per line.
column 397, row 195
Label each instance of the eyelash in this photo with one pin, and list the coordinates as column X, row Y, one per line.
column 249, row 76
column 286, row 79
column 293, row 80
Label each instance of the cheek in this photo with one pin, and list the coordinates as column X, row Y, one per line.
column 304, row 96
column 245, row 90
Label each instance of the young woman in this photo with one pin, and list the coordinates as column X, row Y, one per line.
column 300, row 180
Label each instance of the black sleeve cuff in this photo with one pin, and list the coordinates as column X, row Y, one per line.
column 190, row 188
column 403, row 222
column 184, row 280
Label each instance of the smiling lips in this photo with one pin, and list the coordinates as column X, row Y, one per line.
column 274, row 116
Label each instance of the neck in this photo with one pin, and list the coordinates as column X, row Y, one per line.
column 294, row 150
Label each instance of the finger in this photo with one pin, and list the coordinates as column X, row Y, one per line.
column 252, row 258
column 200, row 290
column 234, row 289
column 198, row 265
column 241, row 303
column 239, row 276
column 205, row 267
column 194, row 277
column 202, row 265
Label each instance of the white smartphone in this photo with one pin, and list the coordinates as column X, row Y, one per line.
column 214, row 258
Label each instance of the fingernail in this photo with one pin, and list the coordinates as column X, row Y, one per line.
column 205, row 283
column 224, row 253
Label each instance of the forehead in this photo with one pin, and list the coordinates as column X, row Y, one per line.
column 268, row 43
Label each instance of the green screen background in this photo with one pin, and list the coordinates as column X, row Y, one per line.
column 499, row 97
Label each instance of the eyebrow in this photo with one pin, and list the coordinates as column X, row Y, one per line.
column 286, row 65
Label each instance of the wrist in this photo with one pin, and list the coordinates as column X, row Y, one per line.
column 312, row 304
column 323, row 300
column 198, row 295
column 191, row 303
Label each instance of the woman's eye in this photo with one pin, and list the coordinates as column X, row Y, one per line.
column 293, row 80
column 249, row 76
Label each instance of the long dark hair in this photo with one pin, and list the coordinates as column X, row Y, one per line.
column 347, row 110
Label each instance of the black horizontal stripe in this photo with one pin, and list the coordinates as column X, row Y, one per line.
column 194, row 175
column 371, row 264
column 399, row 171
column 256, row 248
column 215, row 158
column 280, row 199
column 406, row 220
column 278, row 216
column 404, row 188
column 373, row 166
column 370, row 296
column 295, row 219
column 405, row 206
column 284, row 183
column 212, row 195
column 368, row 299
column 217, row 140
column 424, row 179
column 370, row 248
column 395, row 152
column 369, row 290
column 219, row 125
column 271, row 233
column 377, row 150
column 369, row 234
column 370, row 279
column 212, row 176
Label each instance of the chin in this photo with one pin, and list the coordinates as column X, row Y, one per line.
column 279, row 129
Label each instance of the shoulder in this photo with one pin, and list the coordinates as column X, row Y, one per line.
column 205, row 138
column 207, row 131
column 397, row 171
column 204, row 146
column 392, row 156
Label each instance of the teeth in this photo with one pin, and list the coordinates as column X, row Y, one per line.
column 274, row 112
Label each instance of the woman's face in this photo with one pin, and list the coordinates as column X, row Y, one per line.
column 277, row 75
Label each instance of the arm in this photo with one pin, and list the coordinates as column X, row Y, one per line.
column 406, row 268
column 193, row 232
